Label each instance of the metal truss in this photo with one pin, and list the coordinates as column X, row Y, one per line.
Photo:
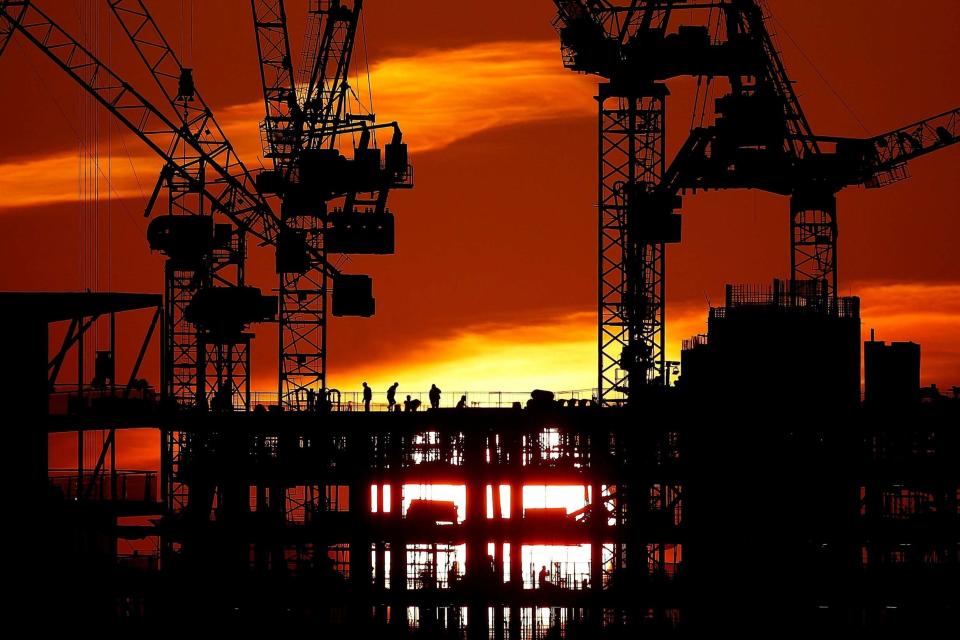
column 631, row 302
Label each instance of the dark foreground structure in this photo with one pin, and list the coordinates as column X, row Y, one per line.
column 703, row 511
column 710, row 517
column 759, row 496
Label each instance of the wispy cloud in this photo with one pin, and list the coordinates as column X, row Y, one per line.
column 437, row 96
column 54, row 179
column 443, row 96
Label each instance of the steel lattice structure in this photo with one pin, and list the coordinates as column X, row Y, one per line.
column 631, row 270
column 186, row 367
column 305, row 131
column 303, row 296
column 760, row 139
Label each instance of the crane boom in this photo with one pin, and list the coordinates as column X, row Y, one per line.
column 325, row 100
column 747, row 19
column 281, row 126
column 176, row 83
column 142, row 118
column 231, row 194
column 891, row 151
column 7, row 27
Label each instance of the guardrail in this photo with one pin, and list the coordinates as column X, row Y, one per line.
column 353, row 400
column 127, row 485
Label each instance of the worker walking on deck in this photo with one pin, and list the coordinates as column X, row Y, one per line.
column 434, row 396
column 367, row 397
column 392, row 396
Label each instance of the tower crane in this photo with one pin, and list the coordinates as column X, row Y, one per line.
column 206, row 167
column 627, row 44
column 761, row 139
column 319, row 189
column 814, row 168
column 198, row 252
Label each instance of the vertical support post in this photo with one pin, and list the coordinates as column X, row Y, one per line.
column 476, row 565
column 303, row 326
column 515, row 443
column 113, row 391
column 497, row 578
column 361, row 508
column 79, row 404
column 398, row 544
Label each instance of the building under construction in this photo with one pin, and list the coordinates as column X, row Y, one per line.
column 756, row 493
column 700, row 512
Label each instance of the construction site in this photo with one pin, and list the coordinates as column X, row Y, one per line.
column 673, row 499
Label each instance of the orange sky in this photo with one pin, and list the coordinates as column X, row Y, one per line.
column 493, row 284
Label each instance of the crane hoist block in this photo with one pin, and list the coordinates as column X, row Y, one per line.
column 360, row 233
column 186, row 240
column 224, row 312
column 186, row 90
column 353, row 296
column 292, row 255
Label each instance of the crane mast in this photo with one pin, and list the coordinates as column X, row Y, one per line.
column 319, row 188
column 190, row 358
column 304, row 294
column 627, row 45
column 280, row 128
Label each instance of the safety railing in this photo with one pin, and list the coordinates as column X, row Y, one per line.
column 127, row 485
column 353, row 401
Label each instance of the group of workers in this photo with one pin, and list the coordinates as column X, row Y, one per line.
column 409, row 404
column 316, row 403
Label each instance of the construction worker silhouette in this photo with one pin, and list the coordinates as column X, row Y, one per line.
column 367, row 397
column 392, row 396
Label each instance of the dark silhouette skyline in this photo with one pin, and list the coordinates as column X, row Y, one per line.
column 748, row 485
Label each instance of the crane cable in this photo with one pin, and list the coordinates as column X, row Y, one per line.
column 697, row 106
column 816, row 70
column 366, row 61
